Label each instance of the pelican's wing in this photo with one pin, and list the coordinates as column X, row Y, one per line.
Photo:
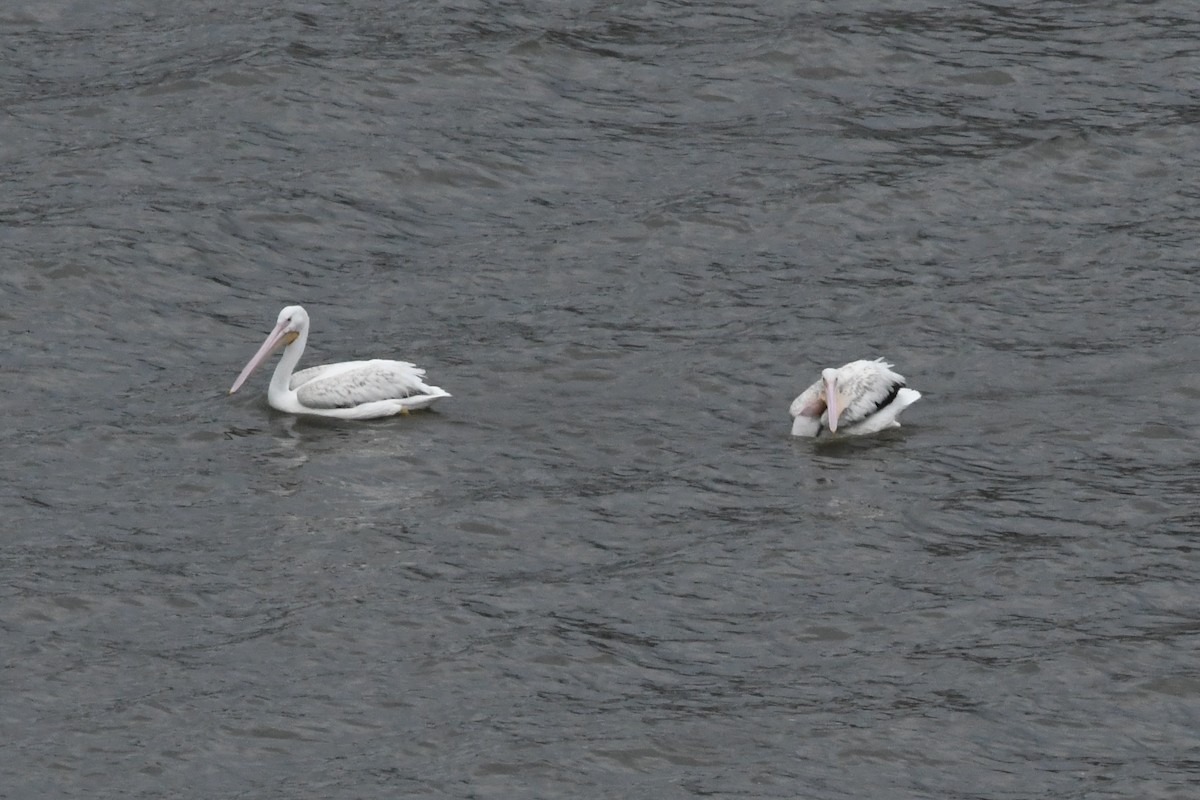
column 807, row 411
column 325, row 370
column 354, row 383
column 869, row 387
column 886, row 416
column 809, row 403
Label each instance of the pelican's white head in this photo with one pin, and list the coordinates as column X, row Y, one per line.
column 833, row 398
column 292, row 319
column 291, row 325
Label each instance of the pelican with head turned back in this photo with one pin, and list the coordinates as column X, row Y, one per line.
column 858, row 398
column 348, row 390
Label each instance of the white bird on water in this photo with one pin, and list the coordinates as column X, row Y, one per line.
column 861, row 397
column 349, row 390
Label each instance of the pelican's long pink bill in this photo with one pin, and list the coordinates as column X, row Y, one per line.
column 274, row 340
column 831, row 403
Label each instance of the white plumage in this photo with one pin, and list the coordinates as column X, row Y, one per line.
column 349, row 390
column 858, row 398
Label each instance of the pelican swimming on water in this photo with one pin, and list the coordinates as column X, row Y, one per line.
column 861, row 397
column 349, row 390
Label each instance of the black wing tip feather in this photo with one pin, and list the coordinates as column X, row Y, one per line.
column 889, row 398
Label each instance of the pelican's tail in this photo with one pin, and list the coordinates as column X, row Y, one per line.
column 886, row 417
column 428, row 397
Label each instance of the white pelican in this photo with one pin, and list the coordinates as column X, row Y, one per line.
column 349, row 390
column 861, row 397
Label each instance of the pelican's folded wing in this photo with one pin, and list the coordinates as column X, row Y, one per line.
column 354, row 383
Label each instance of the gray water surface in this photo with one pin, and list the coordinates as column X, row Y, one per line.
column 624, row 236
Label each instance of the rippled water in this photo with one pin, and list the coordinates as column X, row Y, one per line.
column 624, row 236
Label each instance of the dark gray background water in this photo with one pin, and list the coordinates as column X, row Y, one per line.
column 624, row 236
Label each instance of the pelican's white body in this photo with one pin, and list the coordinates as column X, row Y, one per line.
column 349, row 390
column 859, row 398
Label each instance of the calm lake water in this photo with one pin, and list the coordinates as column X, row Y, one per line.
column 624, row 236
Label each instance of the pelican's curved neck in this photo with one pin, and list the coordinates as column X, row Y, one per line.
column 281, row 381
